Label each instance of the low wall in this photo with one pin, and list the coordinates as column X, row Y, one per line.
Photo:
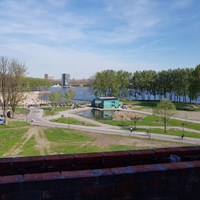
column 168, row 173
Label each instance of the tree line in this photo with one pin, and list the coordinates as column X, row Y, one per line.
column 174, row 84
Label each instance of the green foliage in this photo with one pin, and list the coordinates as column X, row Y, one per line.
column 55, row 98
column 175, row 82
column 36, row 83
column 60, row 135
column 194, row 88
column 111, row 83
column 70, row 94
column 53, row 110
column 165, row 109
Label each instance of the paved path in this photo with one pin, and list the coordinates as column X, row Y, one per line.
column 36, row 116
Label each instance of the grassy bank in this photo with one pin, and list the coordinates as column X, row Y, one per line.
column 70, row 120
column 9, row 138
column 53, row 111
column 151, row 104
column 152, row 121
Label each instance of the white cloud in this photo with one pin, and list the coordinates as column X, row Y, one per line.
column 52, row 37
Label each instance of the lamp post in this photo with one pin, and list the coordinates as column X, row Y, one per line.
column 68, row 121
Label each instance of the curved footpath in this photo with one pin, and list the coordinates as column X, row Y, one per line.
column 38, row 119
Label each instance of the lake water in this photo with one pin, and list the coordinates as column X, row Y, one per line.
column 86, row 94
column 82, row 93
column 97, row 114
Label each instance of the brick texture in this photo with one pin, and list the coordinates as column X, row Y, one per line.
column 124, row 175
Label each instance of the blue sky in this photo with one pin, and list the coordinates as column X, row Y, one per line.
column 82, row 37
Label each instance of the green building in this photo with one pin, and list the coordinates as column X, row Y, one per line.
column 106, row 102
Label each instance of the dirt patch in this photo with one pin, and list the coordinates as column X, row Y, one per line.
column 188, row 115
column 121, row 115
column 105, row 141
column 43, row 145
column 16, row 149
column 97, row 139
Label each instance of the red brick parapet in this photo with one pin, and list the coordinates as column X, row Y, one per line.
column 168, row 173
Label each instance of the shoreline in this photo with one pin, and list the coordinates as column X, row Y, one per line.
column 33, row 98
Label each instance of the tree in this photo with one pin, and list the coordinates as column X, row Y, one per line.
column 123, row 82
column 194, row 87
column 55, row 98
column 165, row 109
column 17, row 89
column 11, row 84
column 4, row 85
column 36, row 83
column 70, row 94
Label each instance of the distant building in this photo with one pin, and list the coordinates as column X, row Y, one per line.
column 65, row 80
column 106, row 102
column 47, row 77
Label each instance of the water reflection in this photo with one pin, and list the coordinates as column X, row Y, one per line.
column 97, row 114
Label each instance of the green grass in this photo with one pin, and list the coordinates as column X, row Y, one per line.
column 152, row 121
column 123, row 148
column 20, row 110
column 79, row 148
column 145, row 104
column 29, row 148
column 157, row 121
column 116, row 122
column 9, row 138
column 14, row 124
column 75, row 148
column 53, row 110
column 152, row 104
column 62, row 135
column 70, row 120
column 174, row 132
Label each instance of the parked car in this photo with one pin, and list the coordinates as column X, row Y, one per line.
column 2, row 121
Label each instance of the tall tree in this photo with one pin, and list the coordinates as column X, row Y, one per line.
column 165, row 109
column 55, row 98
column 194, row 88
column 123, row 83
column 4, row 85
column 17, row 72
column 69, row 95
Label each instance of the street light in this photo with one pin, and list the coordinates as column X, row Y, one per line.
column 68, row 121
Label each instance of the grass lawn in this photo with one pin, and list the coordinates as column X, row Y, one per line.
column 75, row 148
column 53, row 110
column 20, row 110
column 174, row 132
column 30, row 148
column 60, row 135
column 9, row 138
column 152, row 121
column 14, row 124
column 70, row 120
column 152, row 104
column 123, row 148
column 145, row 104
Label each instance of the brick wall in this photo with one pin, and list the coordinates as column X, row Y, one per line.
column 168, row 173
